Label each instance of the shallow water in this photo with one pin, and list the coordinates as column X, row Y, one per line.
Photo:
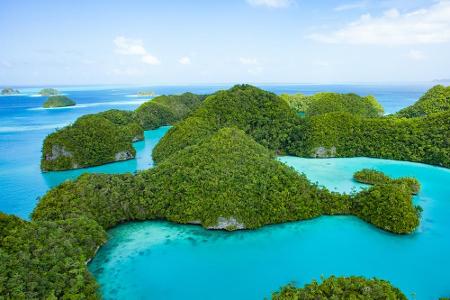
column 165, row 261
column 160, row 260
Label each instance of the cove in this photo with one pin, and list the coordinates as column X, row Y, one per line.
column 161, row 260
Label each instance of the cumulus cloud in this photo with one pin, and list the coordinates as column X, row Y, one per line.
column 256, row 70
column 351, row 6
column 126, row 46
column 423, row 26
column 271, row 3
column 185, row 60
column 248, row 60
column 254, row 67
column 416, row 55
column 5, row 64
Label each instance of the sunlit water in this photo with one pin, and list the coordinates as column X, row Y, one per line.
column 159, row 260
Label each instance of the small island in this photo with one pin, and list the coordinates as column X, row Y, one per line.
column 146, row 93
column 372, row 177
column 9, row 91
column 49, row 92
column 344, row 288
column 58, row 101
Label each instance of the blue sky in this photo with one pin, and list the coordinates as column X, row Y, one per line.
column 195, row 42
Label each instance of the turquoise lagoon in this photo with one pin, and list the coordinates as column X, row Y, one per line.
column 161, row 260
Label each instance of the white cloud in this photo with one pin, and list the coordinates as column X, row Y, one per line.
column 5, row 64
column 351, row 6
column 248, row 60
column 150, row 59
column 185, row 60
column 271, row 3
column 416, row 55
column 256, row 70
column 423, row 26
column 126, row 46
column 322, row 63
column 87, row 61
column 254, row 67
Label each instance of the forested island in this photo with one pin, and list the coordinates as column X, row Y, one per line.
column 49, row 92
column 58, row 101
column 107, row 137
column 342, row 288
column 146, row 93
column 216, row 167
column 9, row 91
column 370, row 176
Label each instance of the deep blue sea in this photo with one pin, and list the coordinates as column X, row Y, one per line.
column 165, row 261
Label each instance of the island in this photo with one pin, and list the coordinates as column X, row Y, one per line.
column 320, row 135
column 9, row 91
column 146, row 93
column 58, row 101
column 217, row 168
column 92, row 140
column 342, row 288
column 108, row 136
column 321, row 103
column 435, row 100
column 49, row 92
column 370, row 176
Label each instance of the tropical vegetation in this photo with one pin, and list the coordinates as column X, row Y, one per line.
column 166, row 110
column 227, row 176
column 107, row 137
column 47, row 260
column 342, row 134
column 262, row 115
column 322, row 103
column 371, row 176
column 9, row 91
column 49, row 92
column 436, row 99
column 342, row 288
column 58, row 101
column 298, row 102
column 271, row 122
column 216, row 167
column 92, row 140
column 146, row 93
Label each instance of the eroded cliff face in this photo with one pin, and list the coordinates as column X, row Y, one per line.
column 57, row 152
column 324, row 152
column 228, row 224
column 123, row 155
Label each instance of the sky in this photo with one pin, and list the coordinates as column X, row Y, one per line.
column 62, row 42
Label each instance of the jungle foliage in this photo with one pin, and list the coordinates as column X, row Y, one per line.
column 107, row 136
column 435, row 100
column 92, row 140
column 371, row 176
column 58, row 101
column 48, row 92
column 298, row 102
column 218, row 163
column 423, row 139
column 166, row 110
column 262, row 115
column 47, row 260
column 322, row 103
column 342, row 288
